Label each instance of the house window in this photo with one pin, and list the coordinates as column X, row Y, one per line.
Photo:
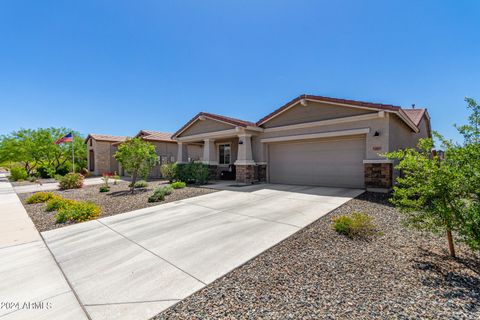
column 224, row 153
column 90, row 142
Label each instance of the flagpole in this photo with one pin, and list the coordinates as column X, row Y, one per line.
column 73, row 154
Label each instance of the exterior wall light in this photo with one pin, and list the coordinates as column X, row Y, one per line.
column 376, row 134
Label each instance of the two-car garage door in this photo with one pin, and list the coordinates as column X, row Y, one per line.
column 326, row 162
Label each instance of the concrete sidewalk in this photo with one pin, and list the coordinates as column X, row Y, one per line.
column 32, row 286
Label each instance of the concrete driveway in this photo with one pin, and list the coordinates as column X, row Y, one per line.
column 137, row 264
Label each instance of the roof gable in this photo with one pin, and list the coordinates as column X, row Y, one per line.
column 415, row 115
column 340, row 102
column 105, row 137
column 313, row 111
column 150, row 135
column 227, row 122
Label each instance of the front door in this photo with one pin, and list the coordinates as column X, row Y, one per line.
column 91, row 158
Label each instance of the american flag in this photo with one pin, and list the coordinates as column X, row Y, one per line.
column 66, row 138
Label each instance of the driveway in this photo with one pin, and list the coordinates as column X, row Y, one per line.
column 137, row 264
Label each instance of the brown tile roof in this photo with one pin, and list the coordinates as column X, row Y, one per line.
column 379, row 106
column 150, row 135
column 415, row 115
column 232, row 121
column 106, row 137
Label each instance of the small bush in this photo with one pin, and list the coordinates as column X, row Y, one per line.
column 160, row 193
column 169, row 171
column 156, row 197
column 354, row 225
column 18, row 174
column 178, row 185
column 140, row 184
column 71, row 181
column 84, row 172
column 104, row 189
column 57, row 202
column 165, row 189
column 115, row 177
column 78, row 212
column 40, row 197
column 197, row 173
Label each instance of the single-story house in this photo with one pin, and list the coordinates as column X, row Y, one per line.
column 311, row 140
column 100, row 151
column 166, row 149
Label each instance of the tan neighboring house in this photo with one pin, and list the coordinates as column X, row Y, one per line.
column 311, row 140
column 100, row 151
column 166, row 149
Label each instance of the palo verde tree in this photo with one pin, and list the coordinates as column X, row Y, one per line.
column 34, row 149
column 137, row 157
column 442, row 195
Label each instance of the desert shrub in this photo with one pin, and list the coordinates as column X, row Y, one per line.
column 104, row 189
column 197, row 173
column 78, row 212
column 44, row 172
column 115, row 177
column 156, row 197
column 169, row 171
column 165, row 189
column 18, row 173
column 58, row 202
column 71, row 181
column 64, row 169
column 178, row 185
column 354, row 225
column 160, row 193
column 40, row 197
column 84, row 172
column 139, row 184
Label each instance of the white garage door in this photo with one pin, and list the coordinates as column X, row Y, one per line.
column 336, row 163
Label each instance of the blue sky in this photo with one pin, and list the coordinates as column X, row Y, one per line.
column 116, row 67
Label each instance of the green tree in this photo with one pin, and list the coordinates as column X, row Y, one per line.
column 471, row 131
column 442, row 195
column 137, row 157
column 36, row 148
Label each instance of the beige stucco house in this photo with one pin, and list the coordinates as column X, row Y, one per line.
column 100, row 151
column 166, row 149
column 311, row 140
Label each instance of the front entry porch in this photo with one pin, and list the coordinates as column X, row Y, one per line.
column 228, row 153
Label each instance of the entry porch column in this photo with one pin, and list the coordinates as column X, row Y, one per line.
column 182, row 152
column 245, row 166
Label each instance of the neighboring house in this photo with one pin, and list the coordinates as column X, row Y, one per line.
column 100, row 151
column 311, row 140
column 166, row 149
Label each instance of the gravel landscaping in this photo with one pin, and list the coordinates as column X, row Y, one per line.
column 319, row 274
column 117, row 200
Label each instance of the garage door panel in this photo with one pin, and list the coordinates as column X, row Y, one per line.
column 336, row 163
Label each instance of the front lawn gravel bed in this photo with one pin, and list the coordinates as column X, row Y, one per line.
column 117, row 200
column 319, row 274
